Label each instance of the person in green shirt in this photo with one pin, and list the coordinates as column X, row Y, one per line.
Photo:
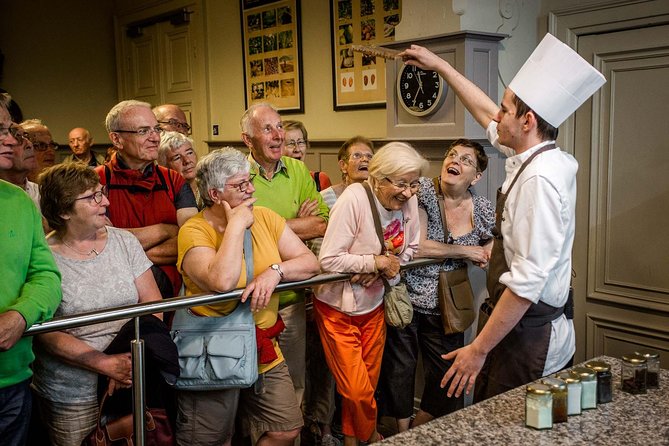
column 284, row 185
column 30, row 290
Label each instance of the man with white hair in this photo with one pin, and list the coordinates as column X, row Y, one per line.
column 148, row 200
column 530, row 332
column 284, row 185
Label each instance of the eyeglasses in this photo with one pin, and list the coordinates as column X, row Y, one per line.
column 143, row 131
column 464, row 159
column 413, row 186
column 44, row 146
column 358, row 156
column 16, row 131
column 243, row 186
column 96, row 196
column 296, row 143
column 180, row 125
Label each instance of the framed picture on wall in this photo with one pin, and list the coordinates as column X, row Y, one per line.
column 273, row 53
column 359, row 81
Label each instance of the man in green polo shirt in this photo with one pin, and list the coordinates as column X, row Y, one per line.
column 284, row 185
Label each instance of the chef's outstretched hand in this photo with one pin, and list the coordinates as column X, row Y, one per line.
column 467, row 363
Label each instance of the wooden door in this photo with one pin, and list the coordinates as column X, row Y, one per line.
column 621, row 250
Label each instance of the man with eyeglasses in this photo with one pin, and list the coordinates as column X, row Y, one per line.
column 30, row 291
column 149, row 200
column 284, row 185
column 80, row 142
column 43, row 145
column 22, row 164
column 529, row 331
column 172, row 119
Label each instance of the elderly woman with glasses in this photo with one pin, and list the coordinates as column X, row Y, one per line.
column 466, row 235
column 176, row 152
column 101, row 267
column 350, row 315
column 296, row 143
column 211, row 260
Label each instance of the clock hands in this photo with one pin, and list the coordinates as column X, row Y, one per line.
column 420, row 87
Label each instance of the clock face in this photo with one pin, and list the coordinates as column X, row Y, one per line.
column 420, row 91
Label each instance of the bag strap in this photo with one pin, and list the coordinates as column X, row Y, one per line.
column 317, row 180
column 248, row 255
column 527, row 163
column 377, row 225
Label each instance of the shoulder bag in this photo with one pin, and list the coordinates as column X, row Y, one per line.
column 397, row 305
column 454, row 292
column 218, row 352
column 120, row 432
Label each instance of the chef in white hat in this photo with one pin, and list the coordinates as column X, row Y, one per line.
column 529, row 332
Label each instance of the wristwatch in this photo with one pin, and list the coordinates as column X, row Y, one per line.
column 277, row 268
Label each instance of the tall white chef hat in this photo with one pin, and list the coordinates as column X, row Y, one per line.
column 555, row 81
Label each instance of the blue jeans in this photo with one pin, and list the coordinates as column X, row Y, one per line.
column 15, row 408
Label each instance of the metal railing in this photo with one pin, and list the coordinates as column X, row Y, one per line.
column 171, row 304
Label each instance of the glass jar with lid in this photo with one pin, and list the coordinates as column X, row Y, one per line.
column 633, row 374
column 559, row 391
column 653, row 362
column 588, row 387
column 604, row 384
column 538, row 406
column 573, row 391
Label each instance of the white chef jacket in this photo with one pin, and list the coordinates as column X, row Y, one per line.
column 538, row 230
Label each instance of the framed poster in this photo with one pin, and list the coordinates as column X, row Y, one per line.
column 272, row 53
column 359, row 81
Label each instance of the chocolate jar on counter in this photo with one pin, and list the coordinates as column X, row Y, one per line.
column 653, row 374
column 633, row 374
column 559, row 390
column 604, row 384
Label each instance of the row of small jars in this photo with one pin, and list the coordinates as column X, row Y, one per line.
column 581, row 388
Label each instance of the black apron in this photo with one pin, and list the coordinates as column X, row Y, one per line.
column 520, row 356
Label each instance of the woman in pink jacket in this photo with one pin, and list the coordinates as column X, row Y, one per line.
column 349, row 314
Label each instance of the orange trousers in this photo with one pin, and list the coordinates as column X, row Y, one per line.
column 353, row 347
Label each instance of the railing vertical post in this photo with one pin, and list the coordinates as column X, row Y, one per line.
column 139, row 404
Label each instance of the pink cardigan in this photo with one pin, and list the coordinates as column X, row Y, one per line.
column 349, row 246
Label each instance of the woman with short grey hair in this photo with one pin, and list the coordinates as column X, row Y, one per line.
column 176, row 152
column 211, row 259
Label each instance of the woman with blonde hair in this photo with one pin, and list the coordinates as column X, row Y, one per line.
column 350, row 314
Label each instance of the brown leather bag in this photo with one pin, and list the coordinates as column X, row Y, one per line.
column 120, row 432
column 454, row 292
column 456, row 300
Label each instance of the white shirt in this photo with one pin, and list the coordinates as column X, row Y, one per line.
column 33, row 190
column 538, row 229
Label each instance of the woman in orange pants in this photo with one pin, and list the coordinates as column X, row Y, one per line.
column 349, row 314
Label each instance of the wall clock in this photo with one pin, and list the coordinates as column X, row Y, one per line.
column 412, row 109
column 420, row 92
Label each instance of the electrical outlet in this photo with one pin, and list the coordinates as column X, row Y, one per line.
column 506, row 8
column 214, row 129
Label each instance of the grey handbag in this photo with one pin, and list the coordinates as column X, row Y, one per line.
column 397, row 305
column 218, row 352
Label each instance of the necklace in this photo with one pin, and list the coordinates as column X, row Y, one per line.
column 92, row 251
column 83, row 253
